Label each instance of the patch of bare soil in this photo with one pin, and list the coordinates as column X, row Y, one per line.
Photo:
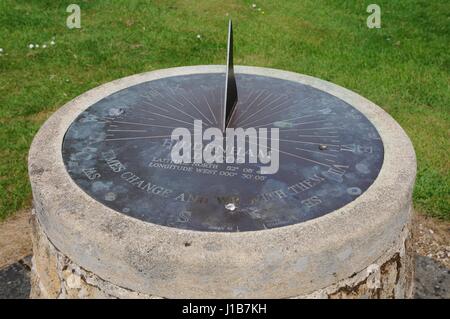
column 15, row 238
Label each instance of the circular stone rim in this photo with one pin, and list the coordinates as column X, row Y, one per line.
column 175, row 263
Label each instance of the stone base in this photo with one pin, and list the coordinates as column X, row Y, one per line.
column 54, row 275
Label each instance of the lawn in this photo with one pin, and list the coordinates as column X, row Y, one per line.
column 403, row 66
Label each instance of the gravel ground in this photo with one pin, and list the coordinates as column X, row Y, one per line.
column 15, row 280
column 431, row 244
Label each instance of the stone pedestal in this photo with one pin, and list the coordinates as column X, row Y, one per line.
column 83, row 249
column 54, row 275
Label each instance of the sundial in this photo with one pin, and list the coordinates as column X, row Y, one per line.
column 118, row 152
column 116, row 213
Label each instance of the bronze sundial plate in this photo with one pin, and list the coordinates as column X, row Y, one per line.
column 118, row 151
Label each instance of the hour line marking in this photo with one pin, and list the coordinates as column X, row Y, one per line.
column 263, row 108
column 306, row 129
column 174, row 98
column 249, row 96
column 164, row 97
column 265, row 99
column 318, row 152
column 211, row 97
column 144, row 124
column 207, row 119
column 301, row 142
column 242, row 103
column 217, row 93
column 271, row 114
column 324, row 136
column 209, row 106
column 174, row 107
column 164, row 101
column 196, row 101
column 297, row 156
column 277, row 106
column 183, row 105
column 140, row 137
column 303, row 116
column 248, row 107
column 304, row 123
column 158, row 107
column 127, row 131
column 135, row 138
column 170, row 118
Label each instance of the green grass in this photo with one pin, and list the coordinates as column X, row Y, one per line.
column 403, row 67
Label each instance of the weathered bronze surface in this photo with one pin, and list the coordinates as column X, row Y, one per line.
column 118, row 151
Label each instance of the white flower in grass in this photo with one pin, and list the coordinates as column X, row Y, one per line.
column 31, row 46
column 44, row 46
column 253, row 5
column 199, row 36
column 37, row 45
column 52, row 42
column 1, row 50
